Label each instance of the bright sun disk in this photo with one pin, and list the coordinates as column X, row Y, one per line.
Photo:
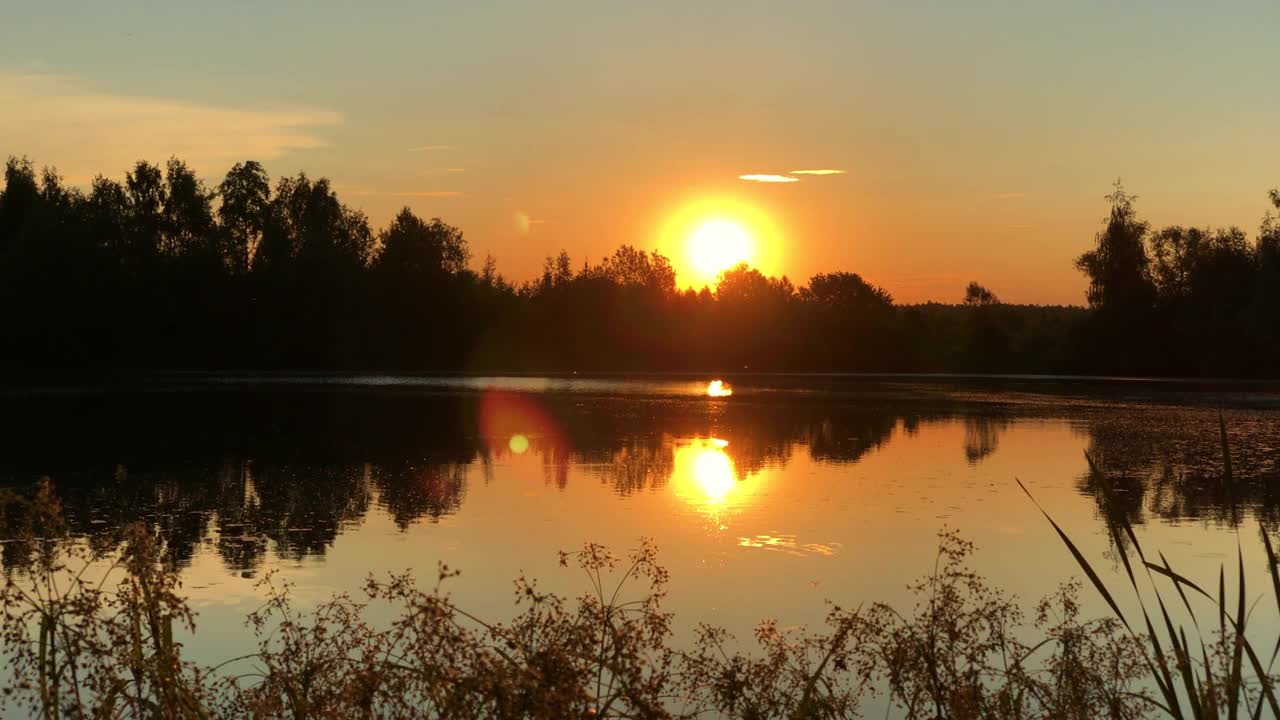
column 718, row 245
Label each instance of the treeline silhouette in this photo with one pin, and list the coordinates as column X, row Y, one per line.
column 1182, row 300
column 164, row 272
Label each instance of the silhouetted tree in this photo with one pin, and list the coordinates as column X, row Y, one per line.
column 976, row 295
column 1118, row 337
column 21, row 193
column 108, row 213
column 420, row 249
column 848, row 320
column 246, row 195
column 845, row 292
column 187, row 210
column 1118, row 267
column 1204, row 284
column 146, row 204
column 632, row 268
column 1264, row 315
column 417, row 273
column 988, row 346
column 753, row 315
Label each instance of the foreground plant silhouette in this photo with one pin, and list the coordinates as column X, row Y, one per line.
column 89, row 631
column 1226, row 677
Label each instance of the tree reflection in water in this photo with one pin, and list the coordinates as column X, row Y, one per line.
column 282, row 472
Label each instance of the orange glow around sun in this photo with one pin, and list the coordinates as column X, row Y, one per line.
column 709, row 236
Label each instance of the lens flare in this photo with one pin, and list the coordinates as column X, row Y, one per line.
column 718, row 388
column 508, row 420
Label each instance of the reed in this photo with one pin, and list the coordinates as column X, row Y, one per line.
column 1204, row 681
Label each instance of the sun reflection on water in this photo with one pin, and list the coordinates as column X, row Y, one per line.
column 719, row 388
column 713, row 472
column 705, row 477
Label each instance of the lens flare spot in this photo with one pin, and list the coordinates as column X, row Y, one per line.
column 718, row 388
column 519, row 444
column 506, row 421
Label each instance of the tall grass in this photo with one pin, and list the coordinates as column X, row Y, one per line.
column 1223, row 677
column 89, row 631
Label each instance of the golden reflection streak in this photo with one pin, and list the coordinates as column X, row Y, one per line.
column 713, row 472
column 705, row 477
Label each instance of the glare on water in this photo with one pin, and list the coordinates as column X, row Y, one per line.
column 718, row 388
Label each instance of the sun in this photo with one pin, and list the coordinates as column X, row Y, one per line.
column 718, row 245
column 712, row 233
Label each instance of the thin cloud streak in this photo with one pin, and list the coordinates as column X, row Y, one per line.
column 430, row 148
column 1009, row 195
column 430, row 193
column 354, row 190
column 455, row 170
column 817, row 172
column 764, row 178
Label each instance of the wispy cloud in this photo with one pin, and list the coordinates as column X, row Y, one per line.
column 61, row 120
column 455, row 170
column 817, row 172
column 430, row 148
column 430, row 193
column 1009, row 195
column 763, row 178
column 355, row 190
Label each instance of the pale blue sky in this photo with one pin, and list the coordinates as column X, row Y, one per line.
column 979, row 137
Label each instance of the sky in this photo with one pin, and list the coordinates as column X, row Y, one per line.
column 977, row 139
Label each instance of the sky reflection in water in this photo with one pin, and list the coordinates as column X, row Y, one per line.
column 761, row 506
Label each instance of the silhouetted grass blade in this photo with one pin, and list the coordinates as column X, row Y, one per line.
column 1275, row 579
column 1080, row 559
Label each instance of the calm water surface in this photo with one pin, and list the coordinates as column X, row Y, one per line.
column 766, row 504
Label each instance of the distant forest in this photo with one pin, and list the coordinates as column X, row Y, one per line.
column 163, row 272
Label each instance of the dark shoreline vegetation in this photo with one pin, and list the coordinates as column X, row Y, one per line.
column 92, row 627
column 162, row 272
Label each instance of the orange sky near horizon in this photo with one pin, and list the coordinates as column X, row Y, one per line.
column 977, row 139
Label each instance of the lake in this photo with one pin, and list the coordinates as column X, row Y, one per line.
column 791, row 492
